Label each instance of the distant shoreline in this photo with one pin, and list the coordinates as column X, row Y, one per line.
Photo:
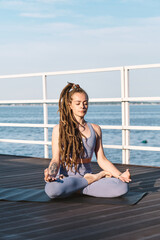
column 91, row 103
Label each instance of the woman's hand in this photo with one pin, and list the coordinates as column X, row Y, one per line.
column 47, row 177
column 125, row 176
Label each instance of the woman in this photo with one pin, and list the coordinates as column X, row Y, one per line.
column 73, row 142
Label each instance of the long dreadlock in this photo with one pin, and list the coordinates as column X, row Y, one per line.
column 70, row 138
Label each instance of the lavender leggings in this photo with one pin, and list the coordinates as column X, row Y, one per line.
column 105, row 187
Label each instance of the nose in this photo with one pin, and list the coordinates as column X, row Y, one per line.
column 82, row 105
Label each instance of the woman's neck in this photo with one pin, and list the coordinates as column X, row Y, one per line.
column 81, row 121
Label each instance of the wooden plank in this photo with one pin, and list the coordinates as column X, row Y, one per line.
column 70, row 220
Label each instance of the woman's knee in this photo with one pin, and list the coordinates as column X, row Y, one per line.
column 121, row 189
column 106, row 187
column 54, row 190
column 116, row 188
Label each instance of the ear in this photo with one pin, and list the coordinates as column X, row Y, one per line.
column 70, row 104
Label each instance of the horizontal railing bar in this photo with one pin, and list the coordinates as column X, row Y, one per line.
column 105, row 146
column 27, row 125
column 133, row 147
column 147, row 128
column 142, row 148
column 28, row 101
column 48, row 143
column 140, row 99
column 79, row 71
column 43, row 142
column 96, row 70
column 143, row 66
column 111, row 127
column 103, row 100
column 113, row 146
column 49, row 125
column 91, row 100
column 25, row 141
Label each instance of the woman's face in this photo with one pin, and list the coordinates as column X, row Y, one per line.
column 79, row 104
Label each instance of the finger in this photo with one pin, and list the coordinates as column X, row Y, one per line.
column 54, row 179
column 128, row 180
column 46, row 176
column 125, row 179
column 46, row 180
column 49, row 178
column 61, row 176
column 122, row 179
column 108, row 176
column 45, row 173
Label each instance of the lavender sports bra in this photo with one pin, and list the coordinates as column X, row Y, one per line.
column 89, row 143
column 89, row 146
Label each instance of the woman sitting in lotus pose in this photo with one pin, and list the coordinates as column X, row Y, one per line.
column 73, row 142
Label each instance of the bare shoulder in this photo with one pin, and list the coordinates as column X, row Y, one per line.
column 56, row 130
column 96, row 128
column 56, row 127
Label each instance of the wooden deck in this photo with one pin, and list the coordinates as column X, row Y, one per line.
column 59, row 220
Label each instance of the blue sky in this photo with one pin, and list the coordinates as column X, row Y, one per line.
column 51, row 35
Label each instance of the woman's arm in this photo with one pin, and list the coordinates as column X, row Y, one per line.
column 51, row 172
column 103, row 162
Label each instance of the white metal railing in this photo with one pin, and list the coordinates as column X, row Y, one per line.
column 124, row 100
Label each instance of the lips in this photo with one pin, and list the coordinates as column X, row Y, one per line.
column 83, row 111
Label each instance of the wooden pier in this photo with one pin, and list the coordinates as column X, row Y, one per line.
column 76, row 220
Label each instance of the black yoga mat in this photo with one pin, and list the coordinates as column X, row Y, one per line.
column 38, row 195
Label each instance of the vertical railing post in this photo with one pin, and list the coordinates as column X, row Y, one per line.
column 45, row 115
column 123, row 114
column 127, row 117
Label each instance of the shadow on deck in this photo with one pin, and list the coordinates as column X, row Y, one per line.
column 68, row 220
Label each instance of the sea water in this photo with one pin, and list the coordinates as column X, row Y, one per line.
column 140, row 115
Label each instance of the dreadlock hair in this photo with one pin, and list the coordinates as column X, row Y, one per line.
column 70, row 138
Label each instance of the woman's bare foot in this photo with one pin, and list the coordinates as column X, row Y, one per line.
column 108, row 174
column 94, row 177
